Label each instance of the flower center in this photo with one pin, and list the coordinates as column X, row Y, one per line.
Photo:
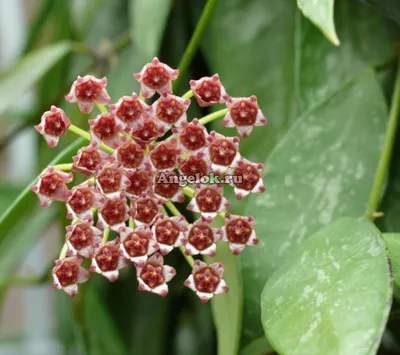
column 114, row 212
column 88, row 91
column 54, row 124
column 146, row 210
column 140, row 182
column 129, row 110
column 152, row 275
column 130, row 155
column 201, row 237
column 67, row 273
column 105, row 128
column 206, row 280
column 81, row 200
column 167, row 232
column 107, row 258
column 136, row 244
column 222, row 152
column 209, row 91
column 163, row 157
column 155, row 77
column 169, row 110
column 50, row 184
column 110, row 180
column 81, row 237
column 238, row 231
column 208, row 200
column 244, row 113
column 250, row 177
column 193, row 137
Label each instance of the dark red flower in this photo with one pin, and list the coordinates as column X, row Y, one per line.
column 87, row 91
column 108, row 260
column 244, row 113
column 154, row 275
column 168, row 231
column 53, row 125
column 208, row 90
column 51, row 185
column 201, row 237
column 239, row 231
column 156, row 76
column 129, row 110
column 68, row 273
column 206, row 280
column 137, row 244
column 208, row 200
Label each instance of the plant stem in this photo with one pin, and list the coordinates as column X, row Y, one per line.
column 172, row 208
column 384, row 161
column 79, row 47
column 63, row 167
column 122, row 42
column 106, row 235
column 213, row 116
column 188, row 191
column 102, row 108
column 63, row 252
column 188, row 95
column 80, row 132
column 194, row 41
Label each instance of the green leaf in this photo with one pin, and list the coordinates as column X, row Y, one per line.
column 18, row 243
column 23, row 206
column 316, row 174
column 28, row 71
column 102, row 334
column 148, row 21
column 320, row 12
column 260, row 346
column 393, row 244
column 8, row 193
column 227, row 308
column 332, row 295
column 390, row 8
column 291, row 67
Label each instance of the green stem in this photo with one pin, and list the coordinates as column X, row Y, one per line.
column 384, row 161
column 122, row 42
column 188, row 191
column 106, row 235
column 188, row 95
column 195, row 40
column 172, row 208
column 63, row 252
column 213, row 116
column 80, row 132
column 102, row 108
column 63, row 167
column 81, row 48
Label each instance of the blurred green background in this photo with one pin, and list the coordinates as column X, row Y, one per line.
column 261, row 47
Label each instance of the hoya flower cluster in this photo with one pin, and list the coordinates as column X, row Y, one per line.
column 124, row 163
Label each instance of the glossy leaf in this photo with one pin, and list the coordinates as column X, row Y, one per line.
column 320, row 12
column 227, row 308
column 393, row 244
column 23, row 206
column 28, row 71
column 148, row 20
column 332, row 295
column 260, row 346
column 316, row 174
column 292, row 67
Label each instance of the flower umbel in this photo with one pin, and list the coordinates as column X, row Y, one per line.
column 133, row 174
